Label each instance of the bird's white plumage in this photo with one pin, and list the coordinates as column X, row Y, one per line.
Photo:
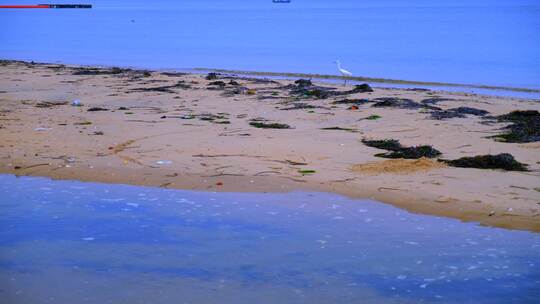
column 342, row 71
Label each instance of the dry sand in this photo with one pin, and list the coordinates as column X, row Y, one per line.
column 43, row 135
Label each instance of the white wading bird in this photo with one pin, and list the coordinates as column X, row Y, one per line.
column 343, row 71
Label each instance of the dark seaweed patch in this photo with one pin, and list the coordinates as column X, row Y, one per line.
column 300, row 106
column 399, row 151
column 433, row 101
column 99, row 71
column 502, row 161
column 459, row 112
column 212, row 76
column 304, row 87
column 166, row 89
column 50, row 104
column 96, row 109
column 270, row 125
column 392, row 102
column 220, row 84
column 351, row 101
column 524, row 127
column 339, row 129
column 385, row 144
column 415, row 152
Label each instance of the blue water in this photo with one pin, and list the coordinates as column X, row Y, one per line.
column 75, row 242
column 493, row 42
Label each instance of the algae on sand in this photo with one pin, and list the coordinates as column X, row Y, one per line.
column 399, row 151
column 385, row 144
column 524, row 127
column 270, row 125
column 502, row 161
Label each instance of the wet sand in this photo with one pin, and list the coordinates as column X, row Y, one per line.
column 176, row 130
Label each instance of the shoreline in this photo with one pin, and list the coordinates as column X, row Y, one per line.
column 392, row 83
column 370, row 79
column 202, row 130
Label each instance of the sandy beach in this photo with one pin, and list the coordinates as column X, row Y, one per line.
column 191, row 131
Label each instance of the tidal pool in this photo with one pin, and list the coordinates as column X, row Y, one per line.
column 75, row 242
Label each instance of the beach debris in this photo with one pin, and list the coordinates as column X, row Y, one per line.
column 42, row 129
column 220, row 118
column 76, row 103
column 50, row 104
column 174, row 74
column 373, row 117
column 459, row 112
column 503, row 161
column 305, row 88
column 99, row 71
column 181, row 84
column 302, row 83
column 418, row 90
column 99, row 133
column 268, row 125
column 414, row 152
column 83, row 123
column 123, row 109
column 211, row 76
column 524, row 127
column 351, row 101
column 339, row 129
column 399, row 151
column 251, row 92
column 434, row 100
column 385, row 144
column 353, row 108
column 96, row 109
column 306, row 171
column 220, row 84
column 361, row 88
column 163, row 162
column 393, row 102
column 301, row 106
column 235, row 90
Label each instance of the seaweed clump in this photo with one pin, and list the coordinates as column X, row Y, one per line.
column 384, row 144
column 269, row 125
column 99, row 71
column 305, row 87
column 525, row 127
column 396, row 150
column 401, row 103
column 212, row 76
column 502, row 161
column 361, row 88
column 458, row 112
column 165, row 89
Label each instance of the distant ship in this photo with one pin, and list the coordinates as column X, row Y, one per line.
column 281, row 1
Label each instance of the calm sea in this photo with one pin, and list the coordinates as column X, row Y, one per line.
column 495, row 42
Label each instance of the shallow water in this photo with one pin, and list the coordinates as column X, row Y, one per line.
column 74, row 242
column 492, row 42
